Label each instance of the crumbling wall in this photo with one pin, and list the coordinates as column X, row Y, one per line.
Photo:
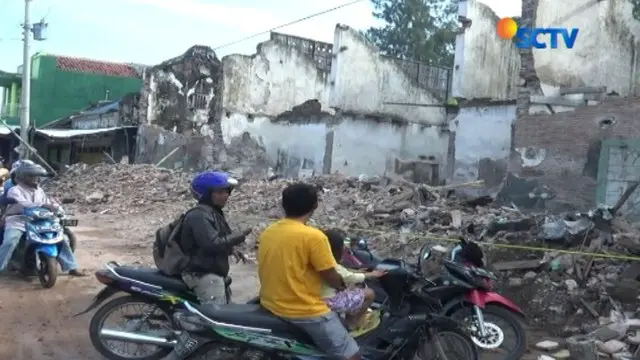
column 276, row 78
column 482, row 141
column 180, row 94
column 604, row 54
column 154, row 143
column 362, row 81
column 562, row 150
column 605, row 50
column 299, row 142
column 485, row 65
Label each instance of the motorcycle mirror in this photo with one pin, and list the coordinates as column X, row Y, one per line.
column 362, row 244
column 425, row 254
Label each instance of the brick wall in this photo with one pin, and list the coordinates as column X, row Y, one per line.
column 567, row 138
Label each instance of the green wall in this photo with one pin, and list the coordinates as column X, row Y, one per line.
column 56, row 93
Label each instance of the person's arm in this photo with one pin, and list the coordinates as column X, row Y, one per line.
column 322, row 260
column 206, row 234
column 350, row 277
column 20, row 199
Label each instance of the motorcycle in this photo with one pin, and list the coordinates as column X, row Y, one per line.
column 40, row 244
column 159, row 296
column 465, row 290
column 233, row 331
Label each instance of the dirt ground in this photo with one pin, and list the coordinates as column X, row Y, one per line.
column 38, row 323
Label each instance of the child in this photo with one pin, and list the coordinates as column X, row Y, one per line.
column 353, row 301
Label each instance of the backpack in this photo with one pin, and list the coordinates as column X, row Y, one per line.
column 167, row 252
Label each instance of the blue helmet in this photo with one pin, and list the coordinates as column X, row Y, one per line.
column 205, row 182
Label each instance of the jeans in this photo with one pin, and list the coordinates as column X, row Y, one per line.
column 209, row 288
column 12, row 238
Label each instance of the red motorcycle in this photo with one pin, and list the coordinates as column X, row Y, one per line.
column 465, row 293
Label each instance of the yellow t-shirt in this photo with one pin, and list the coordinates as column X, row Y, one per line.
column 290, row 255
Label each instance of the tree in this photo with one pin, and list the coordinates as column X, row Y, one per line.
column 636, row 9
column 421, row 30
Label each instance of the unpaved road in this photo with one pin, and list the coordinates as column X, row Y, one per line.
column 37, row 323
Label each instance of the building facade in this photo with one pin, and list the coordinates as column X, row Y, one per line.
column 63, row 85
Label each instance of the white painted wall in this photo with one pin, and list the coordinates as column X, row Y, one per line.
column 280, row 77
column 481, row 132
column 272, row 81
column 487, row 66
column 363, row 81
column 360, row 146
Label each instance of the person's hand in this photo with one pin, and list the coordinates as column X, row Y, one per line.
column 246, row 231
column 239, row 256
column 377, row 274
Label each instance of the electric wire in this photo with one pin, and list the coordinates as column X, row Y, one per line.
column 287, row 24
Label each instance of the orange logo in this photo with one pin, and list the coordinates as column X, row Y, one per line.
column 506, row 28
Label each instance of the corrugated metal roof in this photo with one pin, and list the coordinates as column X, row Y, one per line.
column 69, row 133
column 95, row 67
column 100, row 109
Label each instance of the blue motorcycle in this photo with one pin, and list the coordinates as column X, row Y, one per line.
column 44, row 235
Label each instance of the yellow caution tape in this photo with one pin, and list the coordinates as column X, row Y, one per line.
column 430, row 236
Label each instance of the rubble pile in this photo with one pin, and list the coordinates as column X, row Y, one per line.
column 120, row 188
column 565, row 292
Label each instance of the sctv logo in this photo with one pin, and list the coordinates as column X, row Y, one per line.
column 525, row 38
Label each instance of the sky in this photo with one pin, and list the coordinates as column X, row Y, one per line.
column 151, row 31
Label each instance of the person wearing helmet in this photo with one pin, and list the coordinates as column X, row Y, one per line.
column 27, row 193
column 206, row 238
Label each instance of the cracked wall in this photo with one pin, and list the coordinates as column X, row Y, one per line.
column 350, row 144
column 179, row 96
column 562, row 150
column 325, row 104
column 482, row 141
column 605, row 52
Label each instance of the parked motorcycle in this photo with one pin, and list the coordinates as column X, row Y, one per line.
column 465, row 291
column 156, row 295
column 232, row 331
column 39, row 247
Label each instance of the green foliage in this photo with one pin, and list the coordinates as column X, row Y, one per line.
column 636, row 9
column 421, row 30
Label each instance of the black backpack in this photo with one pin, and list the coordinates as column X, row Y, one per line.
column 167, row 252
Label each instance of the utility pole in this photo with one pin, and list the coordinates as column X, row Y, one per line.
column 25, row 96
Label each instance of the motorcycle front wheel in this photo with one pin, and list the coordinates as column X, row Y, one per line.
column 47, row 271
column 144, row 317
column 506, row 334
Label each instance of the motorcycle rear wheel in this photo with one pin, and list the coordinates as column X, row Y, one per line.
column 437, row 347
column 48, row 271
column 73, row 240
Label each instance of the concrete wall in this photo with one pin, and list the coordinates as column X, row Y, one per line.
column 485, row 66
column 346, row 144
column 603, row 55
column 482, row 139
column 363, row 81
column 275, row 79
column 562, row 150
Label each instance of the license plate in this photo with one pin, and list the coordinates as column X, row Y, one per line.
column 185, row 345
column 69, row 222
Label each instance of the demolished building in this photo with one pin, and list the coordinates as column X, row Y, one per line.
column 351, row 129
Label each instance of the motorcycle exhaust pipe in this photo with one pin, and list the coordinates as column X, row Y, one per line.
column 136, row 338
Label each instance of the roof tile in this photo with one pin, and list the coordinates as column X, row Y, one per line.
column 95, row 67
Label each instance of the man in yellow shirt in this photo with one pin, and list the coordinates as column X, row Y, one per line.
column 294, row 261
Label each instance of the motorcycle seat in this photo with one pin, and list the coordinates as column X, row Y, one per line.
column 156, row 277
column 253, row 315
column 152, row 276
